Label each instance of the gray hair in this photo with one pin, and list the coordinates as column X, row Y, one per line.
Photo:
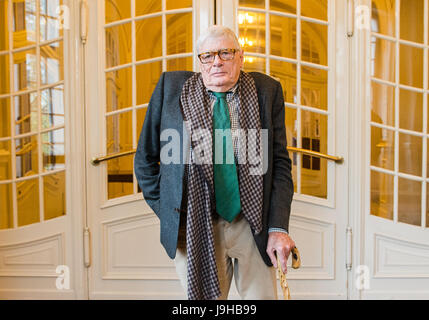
column 217, row 31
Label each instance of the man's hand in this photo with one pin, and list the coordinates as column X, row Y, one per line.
column 281, row 244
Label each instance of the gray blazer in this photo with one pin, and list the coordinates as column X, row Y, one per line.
column 162, row 184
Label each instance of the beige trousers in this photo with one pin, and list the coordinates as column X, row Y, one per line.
column 236, row 255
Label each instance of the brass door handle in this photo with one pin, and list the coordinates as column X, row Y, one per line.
column 317, row 154
column 96, row 161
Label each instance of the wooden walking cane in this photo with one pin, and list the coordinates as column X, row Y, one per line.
column 296, row 263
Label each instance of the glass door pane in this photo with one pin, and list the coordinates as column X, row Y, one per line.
column 32, row 112
column 299, row 60
column 399, row 99
column 132, row 70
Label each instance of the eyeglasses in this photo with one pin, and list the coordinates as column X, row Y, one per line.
column 224, row 54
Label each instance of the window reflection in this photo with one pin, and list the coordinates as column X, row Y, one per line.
column 6, row 209
column 156, row 37
column 119, row 133
column 5, row 118
column 25, row 69
column 179, row 33
column 148, row 31
column 382, row 192
column 54, row 194
column 314, row 92
column 411, row 20
column 313, row 87
column 26, row 113
column 283, row 36
column 118, row 89
column 118, row 45
column 314, row 173
column 383, row 17
column 50, row 11
column 410, row 155
column 315, row 9
column 119, row 170
column 252, row 31
column 314, row 43
column 147, row 76
column 178, row 4
column 4, row 25
column 28, row 202
column 288, row 6
column 117, row 10
column 4, row 75
column 179, row 64
column 53, row 150
column 120, row 177
column 382, row 148
column 411, row 66
column 147, row 6
column 254, row 64
column 5, row 161
column 24, row 23
column 52, row 107
column 252, row 3
column 383, row 59
column 27, row 162
column 409, row 201
column 51, row 63
column 383, row 104
column 29, row 111
column 409, row 108
column 285, row 72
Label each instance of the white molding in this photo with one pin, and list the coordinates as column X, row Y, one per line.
column 226, row 13
column 415, row 258
column 358, row 141
column 131, row 226
column 75, row 175
column 301, row 227
column 35, row 258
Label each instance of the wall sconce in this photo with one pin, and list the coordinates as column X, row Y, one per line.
column 248, row 59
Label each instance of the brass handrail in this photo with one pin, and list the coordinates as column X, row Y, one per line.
column 96, row 161
column 316, row 154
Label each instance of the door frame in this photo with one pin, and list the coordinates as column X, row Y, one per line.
column 77, row 146
column 359, row 51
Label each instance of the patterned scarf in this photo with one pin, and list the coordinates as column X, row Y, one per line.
column 203, row 281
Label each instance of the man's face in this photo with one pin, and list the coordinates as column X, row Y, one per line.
column 220, row 75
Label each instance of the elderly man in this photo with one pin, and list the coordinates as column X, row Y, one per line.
column 221, row 214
